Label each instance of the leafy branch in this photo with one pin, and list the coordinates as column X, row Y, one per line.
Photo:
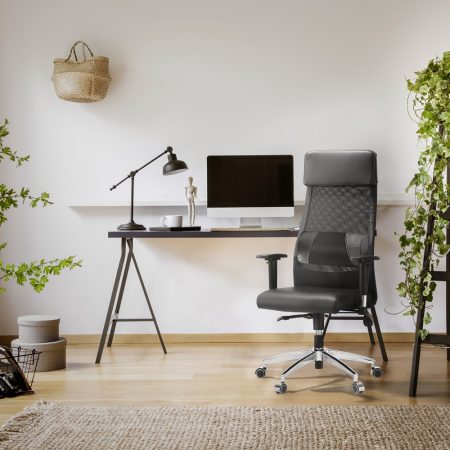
column 36, row 273
column 430, row 92
column 9, row 198
column 6, row 151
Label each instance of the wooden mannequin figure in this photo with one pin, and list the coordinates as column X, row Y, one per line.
column 191, row 196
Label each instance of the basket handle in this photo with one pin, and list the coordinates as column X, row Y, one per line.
column 74, row 52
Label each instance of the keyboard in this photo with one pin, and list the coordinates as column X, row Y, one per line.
column 253, row 229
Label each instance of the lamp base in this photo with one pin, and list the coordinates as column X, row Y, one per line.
column 131, row 226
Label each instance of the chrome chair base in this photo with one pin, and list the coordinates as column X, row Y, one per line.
column 303, row 357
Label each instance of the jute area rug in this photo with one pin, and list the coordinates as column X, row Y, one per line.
column 54, row 426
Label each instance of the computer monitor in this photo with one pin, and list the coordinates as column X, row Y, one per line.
column 250, row 186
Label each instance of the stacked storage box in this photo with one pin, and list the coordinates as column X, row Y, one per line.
column 41, row 333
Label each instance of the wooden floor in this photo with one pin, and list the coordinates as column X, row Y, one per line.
column 223, row 374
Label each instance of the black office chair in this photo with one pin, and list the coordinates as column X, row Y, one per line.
column 333, row 260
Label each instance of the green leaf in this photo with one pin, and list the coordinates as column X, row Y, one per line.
column 430, row 95
column 423, row 334
column 36, row 273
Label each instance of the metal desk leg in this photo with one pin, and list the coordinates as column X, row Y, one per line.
column 111, row 302
column 326, row 325
column 130, row 247
column 119, row 300
column 369, row 330
column 379, row 335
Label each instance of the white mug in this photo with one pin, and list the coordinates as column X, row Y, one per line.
column 172, row 221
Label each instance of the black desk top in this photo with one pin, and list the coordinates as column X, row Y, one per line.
column 202, row 234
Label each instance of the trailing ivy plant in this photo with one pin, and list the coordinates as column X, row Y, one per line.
column 35, row 273
column 420, row 255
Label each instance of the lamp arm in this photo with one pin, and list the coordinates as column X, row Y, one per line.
column 134, row 172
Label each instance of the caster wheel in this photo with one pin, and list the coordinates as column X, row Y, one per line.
column 358, row 387
column 281, row 388
column 376, row 371
column 260, row 372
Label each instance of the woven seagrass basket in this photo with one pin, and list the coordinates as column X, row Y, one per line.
column 84, row 81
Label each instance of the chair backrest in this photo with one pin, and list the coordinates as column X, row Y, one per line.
column 339, row 219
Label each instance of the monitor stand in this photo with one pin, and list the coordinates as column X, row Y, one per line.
column 250, row 222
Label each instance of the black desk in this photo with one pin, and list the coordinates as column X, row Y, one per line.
column 202, row 234
column 127, row 255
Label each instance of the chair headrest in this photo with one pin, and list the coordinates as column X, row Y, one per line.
column 340, row 168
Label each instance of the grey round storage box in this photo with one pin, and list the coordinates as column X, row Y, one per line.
column 53, row 356
column 38, row 328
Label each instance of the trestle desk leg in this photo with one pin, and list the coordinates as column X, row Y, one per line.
column 111, row 302
column 379, row 335
column 130, row 247
column 119, row 301
column 372, row 339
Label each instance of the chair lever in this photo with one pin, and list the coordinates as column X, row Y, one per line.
column 296, row 316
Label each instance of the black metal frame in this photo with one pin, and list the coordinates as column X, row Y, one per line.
column 433, row 339
column 17, row 370
column 117, row 296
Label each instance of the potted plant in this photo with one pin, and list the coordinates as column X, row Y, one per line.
column 423, row 243
column 35, row 273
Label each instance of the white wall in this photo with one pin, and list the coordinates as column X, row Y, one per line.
column 206, row 77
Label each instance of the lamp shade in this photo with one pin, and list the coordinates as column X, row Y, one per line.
column 174, row 165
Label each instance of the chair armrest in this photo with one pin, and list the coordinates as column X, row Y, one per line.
column 272, row 260
column 365, row 262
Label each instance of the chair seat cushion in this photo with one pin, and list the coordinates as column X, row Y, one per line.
column 309, row 299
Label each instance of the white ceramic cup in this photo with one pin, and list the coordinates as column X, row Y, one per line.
column 172, row 221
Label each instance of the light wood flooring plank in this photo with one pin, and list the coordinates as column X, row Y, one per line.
column 223, row 374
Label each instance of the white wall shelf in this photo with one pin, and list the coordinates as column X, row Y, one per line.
column 383, row 200
column 126, row 203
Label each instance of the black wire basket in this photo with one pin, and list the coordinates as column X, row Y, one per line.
column 17, row 370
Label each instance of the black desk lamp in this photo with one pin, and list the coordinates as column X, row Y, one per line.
column 172, row 166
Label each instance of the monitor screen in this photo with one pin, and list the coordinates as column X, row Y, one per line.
column 250, row 181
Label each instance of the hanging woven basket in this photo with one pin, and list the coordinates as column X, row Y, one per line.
column 85, row 81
